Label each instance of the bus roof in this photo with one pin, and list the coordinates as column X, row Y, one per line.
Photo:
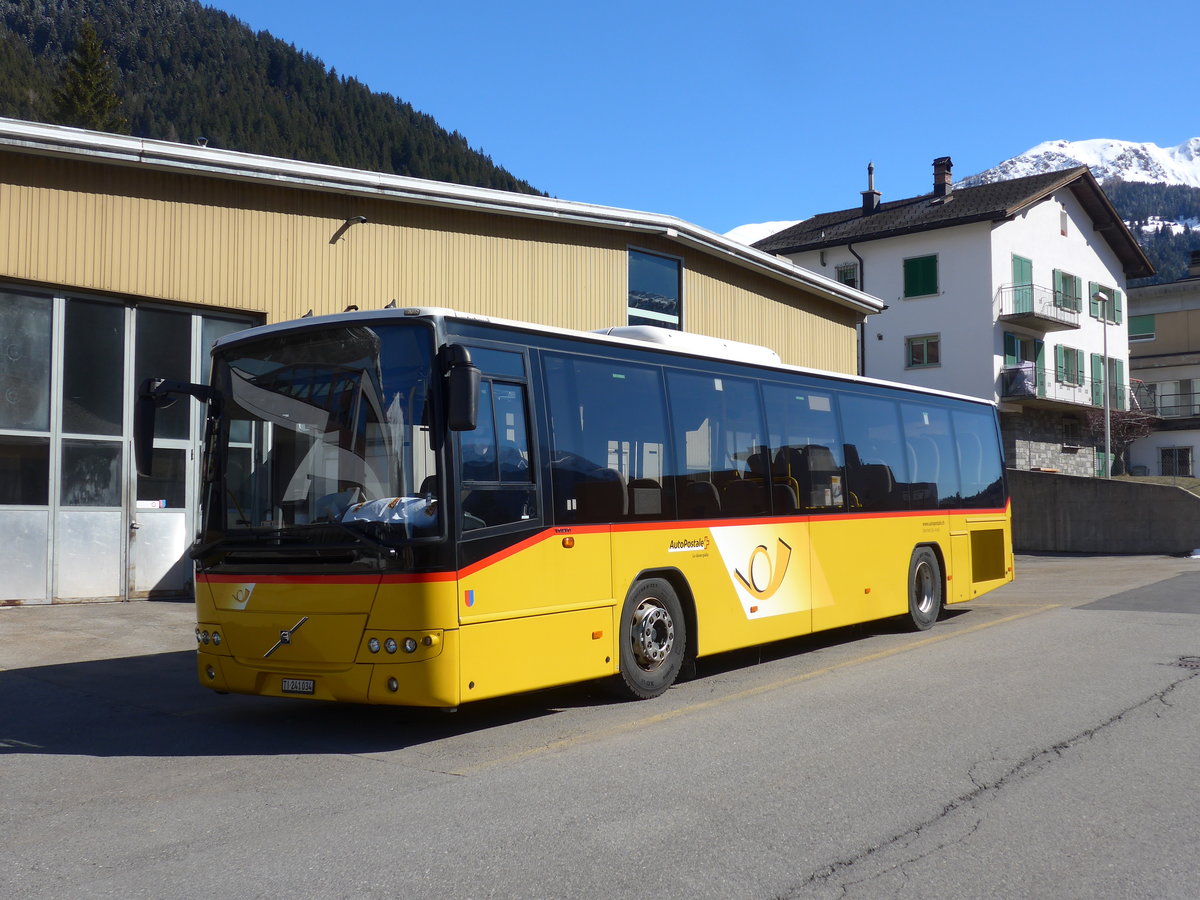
column 642, row 337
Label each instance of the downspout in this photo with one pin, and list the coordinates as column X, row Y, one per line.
column 862, row 326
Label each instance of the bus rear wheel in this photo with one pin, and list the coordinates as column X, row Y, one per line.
column 924, row 588
column 653, row 640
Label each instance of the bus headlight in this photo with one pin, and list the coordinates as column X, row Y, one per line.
column 373, row 645
column 410, row 645
column 390, row 645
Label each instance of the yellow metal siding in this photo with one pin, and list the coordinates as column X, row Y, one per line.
column 193, row 239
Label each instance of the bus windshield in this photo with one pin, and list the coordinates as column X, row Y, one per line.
column 324, row 432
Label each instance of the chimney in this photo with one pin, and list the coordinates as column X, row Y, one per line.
column 941, row 176
column 870, row 195
column 1194, row 265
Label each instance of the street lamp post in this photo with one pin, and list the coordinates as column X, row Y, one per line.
column 1102, row 299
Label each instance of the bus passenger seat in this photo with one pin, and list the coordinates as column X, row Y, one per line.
column 785, row 500
column 602, row 498
column 745, row 497
column 701, row 500
column 645, row 497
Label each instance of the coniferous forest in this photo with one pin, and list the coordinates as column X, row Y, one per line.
column 182, row 71
column 176, row 70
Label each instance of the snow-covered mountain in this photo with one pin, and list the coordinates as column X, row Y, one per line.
column 756, row 231
column 1108, row 160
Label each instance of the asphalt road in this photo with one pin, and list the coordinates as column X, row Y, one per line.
column 1038, row 742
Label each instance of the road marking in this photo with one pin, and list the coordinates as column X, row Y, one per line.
column 658, row 718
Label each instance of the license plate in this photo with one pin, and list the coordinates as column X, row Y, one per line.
column 298, row 685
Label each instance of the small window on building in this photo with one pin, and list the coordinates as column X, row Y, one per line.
column 923, row 351
column 1105, row 302
column 655, row 290
column 920, row 276
column 1068, row 365
column 1175, row 461
column 847, row 273
column 1063, row 221
column 1067, row 291
column 1072, row 431
column 1141, row 328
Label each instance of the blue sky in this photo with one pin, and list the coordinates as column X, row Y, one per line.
column 724, row 114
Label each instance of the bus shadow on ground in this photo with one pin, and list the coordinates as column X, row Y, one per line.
column 152, row 706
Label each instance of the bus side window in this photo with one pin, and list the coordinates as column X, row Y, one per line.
column 805, row 442
column 608, row 440
column 497, row 478
column 718, row 425
column 876, row 457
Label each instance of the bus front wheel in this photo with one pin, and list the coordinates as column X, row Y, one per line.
column 653, row 639
column 924, row 588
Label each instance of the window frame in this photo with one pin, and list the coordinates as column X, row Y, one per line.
column 659, row 320
column 924, row 341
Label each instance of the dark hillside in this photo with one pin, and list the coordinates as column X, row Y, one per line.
column 185, row 71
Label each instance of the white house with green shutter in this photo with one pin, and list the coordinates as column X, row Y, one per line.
column 1013, row 291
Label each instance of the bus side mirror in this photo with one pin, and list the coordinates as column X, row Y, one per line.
column 143, row 426
column 156, row 392
column 462, row 412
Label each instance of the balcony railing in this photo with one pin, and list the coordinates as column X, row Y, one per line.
column 1036, row 307
column 1024, row 384
column 1168, row 406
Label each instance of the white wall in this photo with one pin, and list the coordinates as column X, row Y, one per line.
column 1082, row 251
column 974, row 262
column 1144, row 452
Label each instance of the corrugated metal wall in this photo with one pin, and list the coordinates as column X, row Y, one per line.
column 121, row 230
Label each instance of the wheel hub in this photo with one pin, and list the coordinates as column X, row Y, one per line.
column 653, row 634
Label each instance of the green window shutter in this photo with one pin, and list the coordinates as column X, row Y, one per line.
column 1010, row 349
column 1117, row 306
column 1060, row 363
column 1097, row 380
column 1093, row 306
column 920, row 276
column 1119, row 387
column 1079, row 367
column 1059, row 298
column 1038, row 347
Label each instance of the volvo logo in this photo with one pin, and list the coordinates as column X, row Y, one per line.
column 285, row 636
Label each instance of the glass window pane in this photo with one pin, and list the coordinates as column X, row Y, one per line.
column 979, row 458
column 498, row 362
column 93, row 368
column 91, row 473
column 932, row 460
column 211, row 329
column 609, row 458
column 24, row 471
column 166, row 487
column 25, row 362
column 655, row 290
column 806, row 450
column 876, row 463
column 164, row 350
column 719, row 428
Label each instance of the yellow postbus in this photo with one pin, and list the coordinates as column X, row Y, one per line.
column 423, row 507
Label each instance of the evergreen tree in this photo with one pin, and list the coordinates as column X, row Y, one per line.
column 88, row 96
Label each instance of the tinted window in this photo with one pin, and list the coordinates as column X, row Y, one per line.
column 979, row 458
column 876, row 463
column 496, row 472
column 933, row 462
column 720, row 439
column 609, row 453
column 805, row 449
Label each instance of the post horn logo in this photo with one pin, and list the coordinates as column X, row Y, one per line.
column 765, row 577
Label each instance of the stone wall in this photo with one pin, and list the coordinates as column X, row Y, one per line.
column 1041, row 439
